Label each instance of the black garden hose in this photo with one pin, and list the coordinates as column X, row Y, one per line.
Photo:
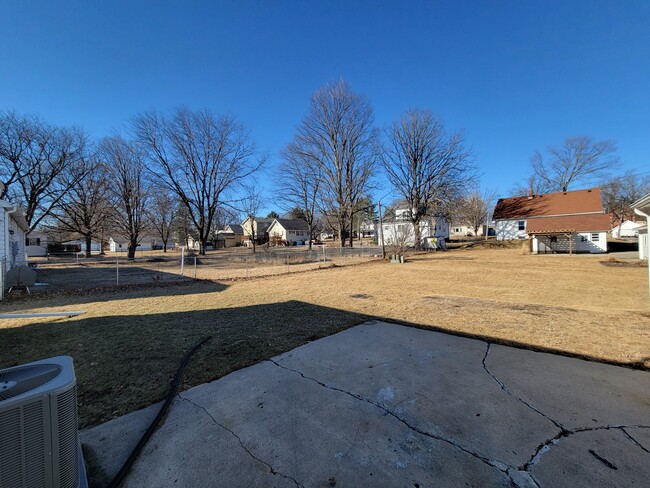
column 119, row 477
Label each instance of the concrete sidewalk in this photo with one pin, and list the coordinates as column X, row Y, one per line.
column 387, row 405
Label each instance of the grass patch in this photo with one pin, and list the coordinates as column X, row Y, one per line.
column 127, row 345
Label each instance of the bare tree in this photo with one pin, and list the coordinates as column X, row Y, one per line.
column 620, row 192
column 534, row 184
column 337, row 137
column 473, row 210
column 252, row 204
column 579, row 159
column 39, row 164
column 299, row 183
column 125, row 163
column 87, row 209
column 399, row 237
column 426, row 164
column 198, row 156
column 161, row 213
column 16, row 136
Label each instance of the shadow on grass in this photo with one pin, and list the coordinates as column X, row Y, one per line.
column 79, row 296
column 124, row 363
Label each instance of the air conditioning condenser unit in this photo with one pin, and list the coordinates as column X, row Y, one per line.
column 39, row 441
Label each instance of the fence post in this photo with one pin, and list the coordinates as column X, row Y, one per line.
column 117, row 270
column 287, row 262
column 182, row 259
column 194, row 267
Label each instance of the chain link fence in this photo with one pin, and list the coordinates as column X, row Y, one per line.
column 75, row 271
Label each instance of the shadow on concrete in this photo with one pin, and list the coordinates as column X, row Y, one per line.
column 125, row 363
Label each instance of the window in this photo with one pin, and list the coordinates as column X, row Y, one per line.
column 521, row 225
column 595, row 237
column 457, row 230
column 583, row 239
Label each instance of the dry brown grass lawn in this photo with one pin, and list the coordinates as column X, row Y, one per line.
column 127, row 345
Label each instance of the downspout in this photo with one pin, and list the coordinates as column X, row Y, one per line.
column 5, row 260
column 647, row 221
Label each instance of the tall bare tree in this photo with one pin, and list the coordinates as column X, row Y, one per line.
column 337, row 137
column 473, row 210
column 299, row 183
column 577, row 160
column 87, row 208
column 619, row 192
column 200, row 157
column 161, row 212
column 39, row 164
column 252, row 204
column 125, row 163
column 533, row 184
column 17, row 133
column 427, row 165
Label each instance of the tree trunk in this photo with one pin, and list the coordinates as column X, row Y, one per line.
column 165, row 245
column 133, row 244
column 341, row 228
column 311, row 234
column 351, row 233
column 416, row 234
column 88, row 245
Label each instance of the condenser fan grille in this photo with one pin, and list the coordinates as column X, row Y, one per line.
column 16, row 381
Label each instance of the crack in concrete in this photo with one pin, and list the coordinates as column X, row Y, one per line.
column 502, row 467
column 520, row 476
column 271, row 468
column 634, row 440
column 507, row 390
column 546, row 446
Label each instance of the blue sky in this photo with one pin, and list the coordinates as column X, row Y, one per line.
column 516, row 76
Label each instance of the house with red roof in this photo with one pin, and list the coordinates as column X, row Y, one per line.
column 570, row 221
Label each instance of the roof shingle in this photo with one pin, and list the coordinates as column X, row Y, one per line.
column 550, row 204
column 569, row 223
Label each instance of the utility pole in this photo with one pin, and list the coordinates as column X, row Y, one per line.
column 381, row 230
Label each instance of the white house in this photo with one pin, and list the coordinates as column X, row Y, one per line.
column 13, row 228
column 258, row 227
column 36, row 244
column 627, row 229
column 642, row 208
column 368, row 228
column 95, row 246
column 399, row 231
column 643, row 242
column 288, row 231
column 462, row 230
column 147, row 243
column 572, row 221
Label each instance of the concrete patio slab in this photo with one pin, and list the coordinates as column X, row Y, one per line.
column 387, row 405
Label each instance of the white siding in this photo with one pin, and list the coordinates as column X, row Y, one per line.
column 403, row 231
column 277, row 232
column 643, row 244
column 508, row 230
column 584, row 242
